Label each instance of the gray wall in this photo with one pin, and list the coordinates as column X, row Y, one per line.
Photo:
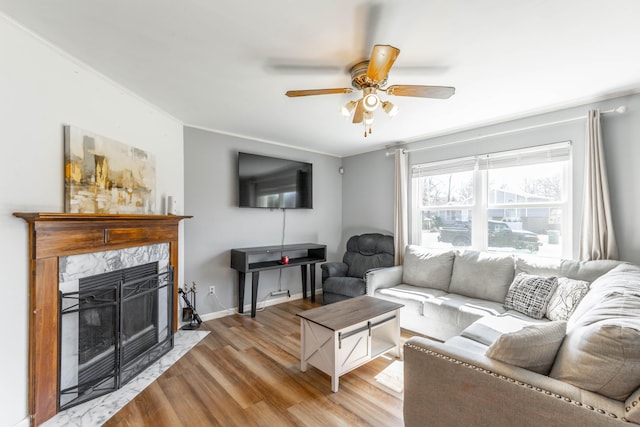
column 368, row 178
column 367, row 190
column 218, row 225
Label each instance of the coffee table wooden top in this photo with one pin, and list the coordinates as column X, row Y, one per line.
column 342, row 314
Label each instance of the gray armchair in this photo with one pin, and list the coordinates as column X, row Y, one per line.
column 346, row 279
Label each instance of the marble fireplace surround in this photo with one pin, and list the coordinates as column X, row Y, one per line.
column 56, row 235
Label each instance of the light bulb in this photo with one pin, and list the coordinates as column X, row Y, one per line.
column 370, row 102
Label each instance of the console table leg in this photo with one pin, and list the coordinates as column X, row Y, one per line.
column 312, row 273
column 255, row 276
column 303, row 269
column 241, row 277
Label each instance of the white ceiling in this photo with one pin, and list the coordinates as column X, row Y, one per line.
column 225, row 65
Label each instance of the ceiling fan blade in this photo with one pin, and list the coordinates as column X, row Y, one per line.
column 358, row 115
column 382, row 58
column 439, row 92
column 293, row 93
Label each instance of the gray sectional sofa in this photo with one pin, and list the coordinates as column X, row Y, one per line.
column 516, row 340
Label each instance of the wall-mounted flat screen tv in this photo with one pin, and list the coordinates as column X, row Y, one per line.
column 274, row 183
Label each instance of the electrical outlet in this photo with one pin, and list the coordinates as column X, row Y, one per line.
column 212, row 290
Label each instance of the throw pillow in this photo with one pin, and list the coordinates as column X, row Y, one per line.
column 533, row 347
column 530, row 294
column 603, row 357
column 566, row 298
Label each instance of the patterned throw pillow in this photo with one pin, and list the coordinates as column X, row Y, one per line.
column 565, row 299
column 530, row 295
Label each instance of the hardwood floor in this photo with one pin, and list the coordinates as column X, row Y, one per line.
column 246, row 372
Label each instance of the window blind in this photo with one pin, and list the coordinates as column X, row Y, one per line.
column 529, row 156
column 548, row 153
column 446, row 166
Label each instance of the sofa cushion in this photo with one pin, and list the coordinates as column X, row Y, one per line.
column 603, row 357
column 530, row 294
column 566, row 297
column 450, row 314
column 489, row 328
column 603, row 301
column 533, row 347
column 428, row 268
column 466, row 344
column 410, row 296
column 482, row 275
column 412, row 292
column 347, row 286
column 602, row 350
column 579, row 270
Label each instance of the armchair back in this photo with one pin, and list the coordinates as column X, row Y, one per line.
column 367, row 251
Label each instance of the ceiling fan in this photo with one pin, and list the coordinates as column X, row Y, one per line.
column 371, row 77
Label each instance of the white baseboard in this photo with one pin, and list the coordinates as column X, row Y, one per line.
column 247, row 308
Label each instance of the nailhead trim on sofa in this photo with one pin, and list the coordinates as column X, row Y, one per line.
column 520, row 383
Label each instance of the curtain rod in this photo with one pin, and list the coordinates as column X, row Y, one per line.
column 620, row 110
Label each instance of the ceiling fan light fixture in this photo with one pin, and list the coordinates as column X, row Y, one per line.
column 390, row 108
column 367, row 118
column 348, row 108
column 370, row 102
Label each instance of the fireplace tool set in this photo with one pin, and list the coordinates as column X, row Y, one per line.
column 189, row 313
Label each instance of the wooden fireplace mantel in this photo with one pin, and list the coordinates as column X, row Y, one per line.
column 53, row 235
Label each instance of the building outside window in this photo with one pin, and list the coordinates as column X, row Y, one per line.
column 521, row 197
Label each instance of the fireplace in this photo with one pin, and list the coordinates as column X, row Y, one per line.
column 72, row 292
column 113, row 325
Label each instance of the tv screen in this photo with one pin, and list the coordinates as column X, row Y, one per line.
column 275, row 183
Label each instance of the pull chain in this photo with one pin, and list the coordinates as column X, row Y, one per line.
column 365, row 130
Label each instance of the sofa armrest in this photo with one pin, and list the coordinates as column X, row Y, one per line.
column 383, row 278
column 333, row 269
column 449, row 386
column 632, row 406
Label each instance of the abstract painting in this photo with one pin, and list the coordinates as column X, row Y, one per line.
column 106, row 176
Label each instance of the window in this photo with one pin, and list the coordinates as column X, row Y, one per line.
column 522, row 196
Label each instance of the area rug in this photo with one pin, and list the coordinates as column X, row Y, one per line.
column 392, row 376
column 97, row 411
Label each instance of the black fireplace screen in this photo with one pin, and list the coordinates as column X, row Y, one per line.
column 113, row 327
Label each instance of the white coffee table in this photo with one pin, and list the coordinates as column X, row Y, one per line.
column 337, row 338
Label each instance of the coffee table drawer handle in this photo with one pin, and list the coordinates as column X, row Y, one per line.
column 380, row 322
column 368, row 326
column 346, row 335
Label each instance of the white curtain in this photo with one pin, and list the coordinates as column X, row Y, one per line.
column 597, row 238
column 400, row 215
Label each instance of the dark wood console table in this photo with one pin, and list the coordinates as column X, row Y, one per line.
column 240, row 261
